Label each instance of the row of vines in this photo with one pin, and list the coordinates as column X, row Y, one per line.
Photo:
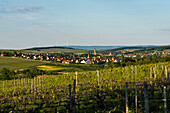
column 101, row 91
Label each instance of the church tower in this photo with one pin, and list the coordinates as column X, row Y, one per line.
column 95, row 52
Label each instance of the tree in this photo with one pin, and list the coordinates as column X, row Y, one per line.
column 15, row 53
column 5, row 74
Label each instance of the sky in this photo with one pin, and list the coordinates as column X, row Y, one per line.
column 32, row 23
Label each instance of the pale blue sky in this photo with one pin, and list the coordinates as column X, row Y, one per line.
column 25, row 23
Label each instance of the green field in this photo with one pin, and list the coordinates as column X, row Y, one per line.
column 18, row 63
column 22, row 64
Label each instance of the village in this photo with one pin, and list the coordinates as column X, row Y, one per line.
column 91, row 58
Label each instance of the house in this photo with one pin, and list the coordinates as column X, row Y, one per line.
column 107, row 60
column 83, row 62
column 89, row 61
column 47, row 58
column 94, row 58
column 28, row 57
column 3, row 54
column 115, row 60
column 66, row 61
column 77, row 61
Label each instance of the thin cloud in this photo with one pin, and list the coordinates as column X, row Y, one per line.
column 168, row 30
column 23, row 10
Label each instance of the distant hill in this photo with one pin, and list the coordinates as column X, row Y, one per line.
column 54, row 47
column 57, row 49
column 95, row 47
column 136, row 49
column 100, row 49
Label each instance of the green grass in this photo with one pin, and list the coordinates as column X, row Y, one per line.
column 19, row 63
column 22, row 64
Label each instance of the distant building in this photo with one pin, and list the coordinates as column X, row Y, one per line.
column 95, row 52
column 110, row 54
column 83, row 62
column 3, row 54
column 66, row 61
column 89, row 61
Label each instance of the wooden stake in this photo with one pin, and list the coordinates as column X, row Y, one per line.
column 136, row 98
column 31, row 85
column 157, row 70
column 3, row 85
column 154, row 69
column 146, row 97
column 34, row 85
column 136, row 71
column 26, row 82
column 168, row 75
column 70, row 95
column 132, row 69
column 165, row 100
column 126, row 96
column 76, row 79
column 14, row 83
column 42, row 83
column 98, row 77
column 39, row 82
column 150, row 72
column 17, row 82
column 163, row 73
column 166, row 72
column 74, row 90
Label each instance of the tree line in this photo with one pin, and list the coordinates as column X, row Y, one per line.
column 127, row 61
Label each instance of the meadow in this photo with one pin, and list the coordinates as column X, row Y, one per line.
column 18, row 63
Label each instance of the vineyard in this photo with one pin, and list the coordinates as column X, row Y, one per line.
column 144, row 88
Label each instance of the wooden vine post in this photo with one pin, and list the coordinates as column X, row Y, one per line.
column 136, row 98
column 34, row 85
column 146, row 97
column 154, row 69
column 157, row 71
column 126, row 97
column 14, row 84
column 70, row 97
column 42, row 82
column 150, row 75
column 166, row 72
column 165, row 100
column 98, row 77
column 74, row 90
column 150, row 72
column 136, row 71
column 31, row 86
column 76, row 79
column 168, row 75
column 132, row 71
column 163, row 73
column 17, row 82
column 3, row 85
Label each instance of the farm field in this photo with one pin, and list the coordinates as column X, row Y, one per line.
column 59, row 67
column 18, row 63
column 92, row 91
column 51, row 68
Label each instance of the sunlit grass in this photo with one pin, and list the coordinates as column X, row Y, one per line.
column 50, row 68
